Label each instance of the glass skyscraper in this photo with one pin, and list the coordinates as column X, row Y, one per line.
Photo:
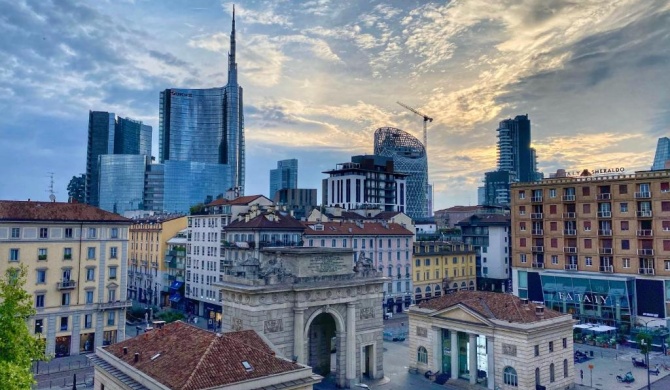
column 201, row 138
column 132, row 137
column 662, row 154
column 284, row 177
column 121, row 181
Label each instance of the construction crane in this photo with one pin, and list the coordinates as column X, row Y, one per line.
column 426, row 119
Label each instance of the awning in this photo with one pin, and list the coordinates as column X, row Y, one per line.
column 582, row 326
column 176, row 285
column 602, row 328
column 175, row 297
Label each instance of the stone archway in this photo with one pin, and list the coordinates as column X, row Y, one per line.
column 324, row 334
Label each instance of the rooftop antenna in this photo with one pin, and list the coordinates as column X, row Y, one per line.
column 50, row 190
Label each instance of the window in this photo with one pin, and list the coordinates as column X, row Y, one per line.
column 65, row 299
column 552, row 209
column 88, row 320
column 44, row 232
column 333, row 243
column 589, row 261
column 522, row 226
column 67, row 253
column 39, row 300
column 665, row 206
column 68, row 232
column 537, row 376
column 14, row 254
column 16, row 232
column 418, row 262
column 586, row 191
column 344, row 243
column 551, row 343
column 624, row 225
column 111, row 318
column 38, row 326
column 588, row 244
column 114, row 233
column 625, row 244
column 90, row 274
column 565, row 368
column 509, row 376
column 623, row 188
column 552, row 192
column 113, row 252
column 537, row 350
column 422, row 355
column 427, row 262
column 41, row 276
column 89, row 297
column 623, row 207
column 42, row 254
column 554, row 259
column 91, row 233
column 112, row 272
column 63, row 322
column 522, row 210
column 586, row 208
column 553, row 226
column 522, row 194
column 625, row 262
column 565, row 343
column 587, row 226
column 551, row 373
column 111, row 295
column 522, row 242
column 91, row 253
column 554, row 242
column 522, row 257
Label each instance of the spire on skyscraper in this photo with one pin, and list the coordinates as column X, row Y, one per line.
column 232, row 65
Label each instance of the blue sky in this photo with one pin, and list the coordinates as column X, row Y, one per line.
column 320, row 76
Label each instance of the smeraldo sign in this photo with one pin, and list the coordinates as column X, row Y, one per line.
column 585, row 298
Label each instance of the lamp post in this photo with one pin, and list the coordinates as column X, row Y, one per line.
column 645, row 344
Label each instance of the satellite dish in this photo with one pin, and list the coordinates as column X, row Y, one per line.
column 52, row 197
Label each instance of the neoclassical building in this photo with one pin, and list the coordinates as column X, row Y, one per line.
column 510, row 343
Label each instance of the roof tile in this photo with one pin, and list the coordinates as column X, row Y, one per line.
column 19, row 211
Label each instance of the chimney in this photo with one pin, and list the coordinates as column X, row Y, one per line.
column 137, row 357
column 524, row 302
column 539, row 311
column 125, row 350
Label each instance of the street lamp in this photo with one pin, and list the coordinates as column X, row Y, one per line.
column 645, row 345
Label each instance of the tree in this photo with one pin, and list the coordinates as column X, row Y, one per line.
column 18, row 348
column 644, row 341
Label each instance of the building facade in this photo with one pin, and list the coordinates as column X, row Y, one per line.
column 595, row 246
column 174, row 277
column 284, row 177
column 122, row 181
column 410, row 158
column 76, row 257
column 662, row 154
column 297, row 201
column 442, row 268
column 514, row 152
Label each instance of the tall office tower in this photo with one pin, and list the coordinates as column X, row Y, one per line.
column 284, row 177
column 132, row 137
column 514, row 152
column 201, row 138
column 662, row 154
column 121, row 183
column 101, row 127
column 409, row 157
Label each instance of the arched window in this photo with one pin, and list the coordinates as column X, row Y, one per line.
column 565, row 368
column 509, row 376
column 537, row 376
column 464, row 286
column 422, row 355
column 551, row 372
column 418, row 290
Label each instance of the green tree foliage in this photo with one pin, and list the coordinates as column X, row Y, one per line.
column 170, row 316
column 644, row 341
column 18, row 347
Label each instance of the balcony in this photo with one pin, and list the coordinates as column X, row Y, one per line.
column 644, row 214
column 538, row 232
column 67, row 284
column 642, row 195
column 645, row 271
column 604, row 196
column 570, row 249
column 568, row 198
column 536, row 216
column 645, row 252
column 115, row 305
column 536, row 199
column 537, row 265
column 607, row 269
column 570, row 215
column 571, row 267
column 605, row 232
column 604, row 214
column 538, row 249
column 605, row 251
column 570, row 232
column 645, row 233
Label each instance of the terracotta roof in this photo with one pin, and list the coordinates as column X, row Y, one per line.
column 386, row 215
column 351, row 228
column 185, row 357
column 267, row 220
column 55, row 211
column 239, row 201
column 459, row 209
column 505, row 307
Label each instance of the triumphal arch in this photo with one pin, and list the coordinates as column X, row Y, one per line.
column 314, row 304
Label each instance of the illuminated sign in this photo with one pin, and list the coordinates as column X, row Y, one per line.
column 593, row 172
column 585, row 298
column 175, row 93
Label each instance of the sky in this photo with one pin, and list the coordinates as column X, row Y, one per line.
column 319, row 76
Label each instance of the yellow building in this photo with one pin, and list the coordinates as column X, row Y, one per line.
column 76, row 257
column 442, row 266
column 148, row 245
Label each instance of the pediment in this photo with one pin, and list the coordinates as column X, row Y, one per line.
column 461, row 314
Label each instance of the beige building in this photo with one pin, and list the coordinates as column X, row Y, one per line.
column 76, row 257
column 182, row 356
column 597, row 247
column 496, row 340
column 148, row 241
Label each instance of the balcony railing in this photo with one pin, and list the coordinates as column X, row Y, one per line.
column 537, row 249
column 642, row 195
column 605, row 251
column 607, row 268
column 538, row 232
column 644, row 213
column 570, row 249
column 568, row 198
column 570, row 215
column 604, row 232
column 67, row 284
column 604, row 196
column 571, row 267
column 536, row 199
column 535, row 215
column 645, row 233
column 645, row 252
column 604, row 214
column 645, row 271
column 115, row 305
column 570, row 232
column 537, row 265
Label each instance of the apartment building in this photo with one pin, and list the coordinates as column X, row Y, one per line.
column 597, row 247
column 442, row 267
column 148, row 245
column 175, row 270
column 76, row 257
column 387, row 245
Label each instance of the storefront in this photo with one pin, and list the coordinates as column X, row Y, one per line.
column 213, row 315
column 87, row 342
column 109, row 337
column 63, row 346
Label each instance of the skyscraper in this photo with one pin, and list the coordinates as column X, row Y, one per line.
column 409, row 157
column 284, row 177
column 121, row 186
column 132, row 137
column 662, row 154
column 201, row 136
column 514, row 152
